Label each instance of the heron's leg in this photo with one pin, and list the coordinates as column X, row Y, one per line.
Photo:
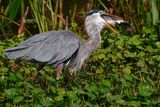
column 85, row 66
column 59, row 69
column 39, row 68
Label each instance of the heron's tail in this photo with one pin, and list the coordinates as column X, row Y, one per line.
column 16, row 52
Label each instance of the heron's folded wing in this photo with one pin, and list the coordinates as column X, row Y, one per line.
column 20, row 51
column 16, row 52
column 38, row 37
column 57, row 51
column 53, row 47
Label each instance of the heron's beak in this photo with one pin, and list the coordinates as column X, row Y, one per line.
column 111, row 20
column 111, row 28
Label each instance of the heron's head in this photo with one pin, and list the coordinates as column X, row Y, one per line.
column 100, row 19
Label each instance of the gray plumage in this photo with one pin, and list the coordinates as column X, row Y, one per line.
column 64, row 47
column 51, row 48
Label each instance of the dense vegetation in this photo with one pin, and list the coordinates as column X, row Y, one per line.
column 124, row 71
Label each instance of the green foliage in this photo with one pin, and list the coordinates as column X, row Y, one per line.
column 124, row 71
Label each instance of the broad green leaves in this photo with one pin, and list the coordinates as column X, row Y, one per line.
column 72, row 95
column 158, row 45
column 135, row 40
column 145, row 90
column 18, row 99
column 10, row 93
column 123, row 72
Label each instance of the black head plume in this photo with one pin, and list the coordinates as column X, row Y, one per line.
column 92, row 12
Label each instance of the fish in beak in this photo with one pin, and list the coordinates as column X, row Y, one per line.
column 112, row 20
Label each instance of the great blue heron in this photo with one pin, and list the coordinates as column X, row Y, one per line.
column 63, row 48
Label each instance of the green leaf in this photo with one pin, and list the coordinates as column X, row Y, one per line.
column 147, row 30
column 58, row 98
column 13, row 78
column 126, row 85
column 18, row 99
column 25, row 105
column 46, row 102
column 99, row 71
column 158, row 45
column 141, row 54
column 127, row 70
column 128, row 77
column 91, row 88
column 21, row 83
column 8, row 104
column 101, row 56
column 2, row 79
column 144, row 70
column 135, row 40
column 88, row 104
column 145, row 90
column 4, row 69
column 110, row 40
column 134, row 103
column 38, row 105
column 130, row 54
column 72, row 95
column 119, row 43
column 1, row 48
column 141, row 63
column 50, row 78
column 29, row 85
column 149, row 49
column 11, row 92
column 36, row 91
column 119, row 55
column 61, row 91
column 106, row 83
column 91, row 95
column 53, row 89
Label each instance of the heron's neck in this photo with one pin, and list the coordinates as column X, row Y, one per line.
column 93, row 40
column 86, row 50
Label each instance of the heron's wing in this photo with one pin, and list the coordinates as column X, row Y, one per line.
column 53, row 48
column 55, row 51
column 23, row 48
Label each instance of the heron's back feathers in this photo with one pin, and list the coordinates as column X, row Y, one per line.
column 52, row 47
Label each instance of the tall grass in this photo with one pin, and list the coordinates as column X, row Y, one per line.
column 48, row 14
column 139, row 12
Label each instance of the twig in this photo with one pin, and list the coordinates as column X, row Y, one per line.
column 4, row 17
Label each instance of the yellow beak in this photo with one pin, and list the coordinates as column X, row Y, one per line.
column 111, row 28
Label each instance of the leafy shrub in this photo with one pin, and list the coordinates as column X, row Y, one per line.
column 124, row 71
